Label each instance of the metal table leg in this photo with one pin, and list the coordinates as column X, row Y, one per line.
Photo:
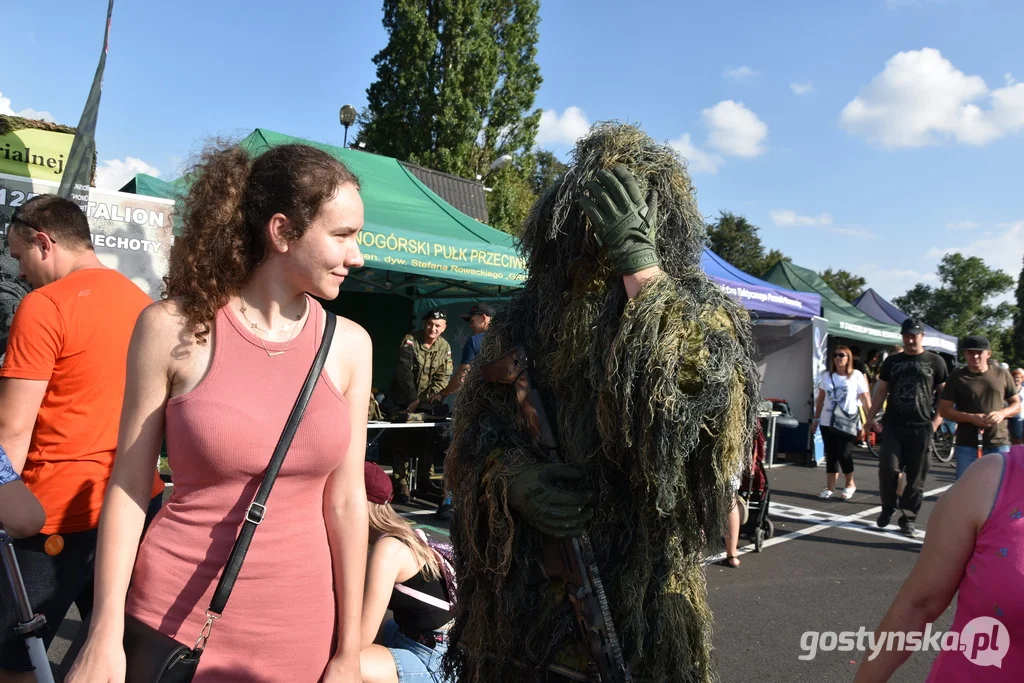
column 771, row 440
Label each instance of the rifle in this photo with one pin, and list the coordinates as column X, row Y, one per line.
column 576, row 565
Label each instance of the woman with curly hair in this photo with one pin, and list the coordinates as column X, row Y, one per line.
column 215, row 368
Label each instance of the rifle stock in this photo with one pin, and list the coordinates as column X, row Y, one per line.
column 576, row 565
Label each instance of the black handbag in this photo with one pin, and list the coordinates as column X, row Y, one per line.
column 154, row 657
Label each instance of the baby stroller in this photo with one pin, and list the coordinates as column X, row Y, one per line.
column 30, row 625
column 756, row 493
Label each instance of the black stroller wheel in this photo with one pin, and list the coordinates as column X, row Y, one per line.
column 758, row 539
column 769, row 529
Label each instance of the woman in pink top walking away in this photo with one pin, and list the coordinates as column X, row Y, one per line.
column 974, row 548
column 216, row 369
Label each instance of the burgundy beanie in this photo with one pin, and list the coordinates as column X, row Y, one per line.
column 378, row 484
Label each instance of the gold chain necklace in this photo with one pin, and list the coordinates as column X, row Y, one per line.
column 256, row 328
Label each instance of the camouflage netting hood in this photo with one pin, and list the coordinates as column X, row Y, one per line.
column 653, row 398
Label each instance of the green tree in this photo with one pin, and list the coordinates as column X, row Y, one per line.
column 455, row 87
column 735, row 239
column 771, row 258
column 1018, row 323
column 546, row 171
column 844, row 283
column 961, row 304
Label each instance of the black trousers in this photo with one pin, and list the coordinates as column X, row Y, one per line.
column 907, row 450
column 838, row 450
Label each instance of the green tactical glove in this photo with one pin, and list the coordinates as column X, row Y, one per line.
column 623, row 222
column 546, row 504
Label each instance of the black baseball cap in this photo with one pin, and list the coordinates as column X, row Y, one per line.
column 912, row 326
column 435, row 315
column 976, row 343
column 479, row 309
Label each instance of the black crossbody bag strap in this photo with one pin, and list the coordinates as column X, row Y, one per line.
column 257, row 510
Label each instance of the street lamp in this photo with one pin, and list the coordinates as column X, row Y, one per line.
column 504, row 161
column 347, row 116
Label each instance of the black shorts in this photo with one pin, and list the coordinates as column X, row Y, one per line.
column 53, row 582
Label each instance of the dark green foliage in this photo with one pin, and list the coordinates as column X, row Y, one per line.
column 961, row 304
column 654, row 400
column 844, row 283
column 735, row 239
column 455, row 88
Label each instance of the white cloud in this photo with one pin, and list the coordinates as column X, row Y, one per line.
column 8, row 110
column 741, row 73
column 562, row 130
column 735, row 130
column 963, row 225
column 858, row 233
column 1009, row 79
column 802, row 88
column 112, row 174
column 892, row 282
column 786, row 218
column 1001, row 250
column 698, row 160
column 921, row 99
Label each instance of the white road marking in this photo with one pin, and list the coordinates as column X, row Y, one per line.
column 832, row 523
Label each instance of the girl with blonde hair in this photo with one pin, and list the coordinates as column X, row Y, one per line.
column 406, row 575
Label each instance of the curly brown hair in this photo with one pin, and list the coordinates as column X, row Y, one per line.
column 225, row 213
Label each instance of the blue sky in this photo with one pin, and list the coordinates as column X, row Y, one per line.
column 871, row 135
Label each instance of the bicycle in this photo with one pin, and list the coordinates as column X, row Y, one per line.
column 943, row 442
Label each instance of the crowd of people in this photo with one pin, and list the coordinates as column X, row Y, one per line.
column 98, row 379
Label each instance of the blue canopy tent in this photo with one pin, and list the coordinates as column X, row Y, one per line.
column 788, row 333
column 872, row 303
column 759, row 297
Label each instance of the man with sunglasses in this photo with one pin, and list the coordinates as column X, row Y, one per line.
column 980, row 396
column 423, row 371
column 61, row 389
column 907, row 385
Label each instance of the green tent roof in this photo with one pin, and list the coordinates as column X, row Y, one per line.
column 152, row 186
column 844, row 319
column 415, row 244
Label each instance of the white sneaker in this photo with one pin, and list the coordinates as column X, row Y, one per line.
column 825, row 494
column 848, row 493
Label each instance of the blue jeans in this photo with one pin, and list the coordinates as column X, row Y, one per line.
column 1016, row 428
column 965, row 455
column 414, row 662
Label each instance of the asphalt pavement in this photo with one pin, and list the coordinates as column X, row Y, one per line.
column 827, row 569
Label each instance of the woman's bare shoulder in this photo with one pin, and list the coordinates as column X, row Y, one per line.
column 164, row 323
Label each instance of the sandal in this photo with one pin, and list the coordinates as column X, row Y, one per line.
column 848, row 493
column 826, row 494
column 730, row 560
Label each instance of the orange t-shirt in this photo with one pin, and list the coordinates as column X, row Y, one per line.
column 74, row 333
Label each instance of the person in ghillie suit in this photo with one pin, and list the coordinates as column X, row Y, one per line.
column 646, row 370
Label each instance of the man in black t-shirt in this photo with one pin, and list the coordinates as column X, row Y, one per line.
column 907, row 385
column 982, row 396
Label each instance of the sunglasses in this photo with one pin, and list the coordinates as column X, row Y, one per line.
column 28, row 224
column 839, row 355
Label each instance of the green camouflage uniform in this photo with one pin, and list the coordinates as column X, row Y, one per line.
column 422, row 372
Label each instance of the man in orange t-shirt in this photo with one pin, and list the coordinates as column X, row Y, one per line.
column 61, row 388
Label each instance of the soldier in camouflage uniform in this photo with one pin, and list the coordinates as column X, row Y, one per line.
column 424, row 368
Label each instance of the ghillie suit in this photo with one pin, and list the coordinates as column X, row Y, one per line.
column 653, row 399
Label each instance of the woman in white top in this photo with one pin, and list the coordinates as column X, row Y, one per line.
column 838, row 393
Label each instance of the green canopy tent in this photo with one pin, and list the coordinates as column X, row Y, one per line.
column 844, row 319
column 420, row 252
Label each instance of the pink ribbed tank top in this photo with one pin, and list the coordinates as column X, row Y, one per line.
column 991, row 588
column 279, row 622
